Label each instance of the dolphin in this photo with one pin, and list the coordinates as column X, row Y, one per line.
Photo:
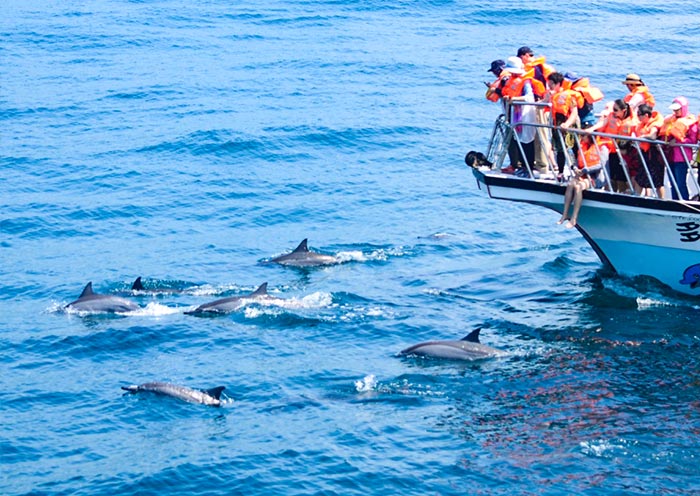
column 138, row 287
column 302, row 257
column 467, row 348
column 210, row 397
column 92, row 302
column 227, row 305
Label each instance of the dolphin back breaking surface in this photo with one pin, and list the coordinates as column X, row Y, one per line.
column 233, row 303
column 91, row 302
column 210, row 397
column 303, row 257
column 467, row 348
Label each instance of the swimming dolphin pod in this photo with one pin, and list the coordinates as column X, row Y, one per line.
column 302, row 257
column 227, row 305
column 467, row 348
column 92, row 302
column 210, row 397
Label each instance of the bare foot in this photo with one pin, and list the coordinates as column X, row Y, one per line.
column 562, row 220
column 570, row 224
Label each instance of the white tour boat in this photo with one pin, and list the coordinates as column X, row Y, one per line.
column 634, row 235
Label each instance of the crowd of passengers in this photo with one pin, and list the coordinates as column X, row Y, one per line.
column 526, row 78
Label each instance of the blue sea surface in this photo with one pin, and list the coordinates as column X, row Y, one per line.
column 191, row 142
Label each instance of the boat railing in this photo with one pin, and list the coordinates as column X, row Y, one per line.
column 633, row 154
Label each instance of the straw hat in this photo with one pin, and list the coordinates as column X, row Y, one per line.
column 633, row 79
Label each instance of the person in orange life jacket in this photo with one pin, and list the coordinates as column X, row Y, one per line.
column 649, row 124
column 494, row 89
column 620, row 121
column 537, row 68
column 565, row 114
column 590, row 162
column 590, row 95
column 638, row 92
column 679, row 127
column 519, row 89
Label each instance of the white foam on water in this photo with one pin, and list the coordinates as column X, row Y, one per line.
column 366, row 384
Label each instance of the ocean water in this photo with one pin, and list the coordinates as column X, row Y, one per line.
column 190, row 142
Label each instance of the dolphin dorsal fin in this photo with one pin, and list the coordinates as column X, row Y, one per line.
column 472, row 337
column 87, row 291
column 303, row 246
column 138, row 285
column 215, row 392
column 261, row 291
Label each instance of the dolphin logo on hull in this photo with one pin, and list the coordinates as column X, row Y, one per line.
column 302, row 257
column 227, row 305
column 92, row 302
column 210, row 397
column 691, row 276
column 467, row 348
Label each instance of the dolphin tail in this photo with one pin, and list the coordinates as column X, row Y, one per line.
column 138, row 285
column 303, row 247
column 87, row 291
column 215, row 392
column 472, row 337
column 261, row 291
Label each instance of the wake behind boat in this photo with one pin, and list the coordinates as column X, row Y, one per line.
column 632, row 234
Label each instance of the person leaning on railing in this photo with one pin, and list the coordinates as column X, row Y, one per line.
column 680, row 127
column 519, row 88
column 565, row 104
column 650, row 122
column 619, row 121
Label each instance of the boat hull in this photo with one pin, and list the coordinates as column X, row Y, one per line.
column 634, row 236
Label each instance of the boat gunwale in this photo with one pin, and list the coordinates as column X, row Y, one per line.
column 496, row 178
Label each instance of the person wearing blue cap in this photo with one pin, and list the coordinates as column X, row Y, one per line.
column 493, row 92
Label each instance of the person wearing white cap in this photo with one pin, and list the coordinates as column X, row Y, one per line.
column 519, row 89
column 678, row 128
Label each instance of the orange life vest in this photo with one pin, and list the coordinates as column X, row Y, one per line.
column 648, row 97
column 493, row 93
column 613, row 125
column 676, row 127
column 538, row 88
column 590, row 94
column 588, row 155
column 540, row 69
column 565, row 100
column 655, row 122
column 514, row 85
